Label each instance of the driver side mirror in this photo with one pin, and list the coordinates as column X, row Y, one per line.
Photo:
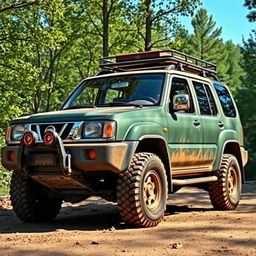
column 181, row 102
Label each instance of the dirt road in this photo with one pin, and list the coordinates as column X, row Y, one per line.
column 190, row 227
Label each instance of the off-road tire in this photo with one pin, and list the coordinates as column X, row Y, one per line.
column 30, row 200
column 142, row 191
column 225, row 193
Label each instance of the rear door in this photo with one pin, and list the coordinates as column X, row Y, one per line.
column 211, row 120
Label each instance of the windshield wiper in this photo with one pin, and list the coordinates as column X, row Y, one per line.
column 125, row 104
column 80, row 106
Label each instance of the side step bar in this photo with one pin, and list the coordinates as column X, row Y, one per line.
column 194, row 180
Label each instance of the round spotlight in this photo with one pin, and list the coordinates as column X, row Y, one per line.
column 28, row 139
column 49, row 139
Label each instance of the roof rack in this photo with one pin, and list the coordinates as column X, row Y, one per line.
column 159, row 59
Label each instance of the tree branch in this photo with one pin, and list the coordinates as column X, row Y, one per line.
column 7, row 66
column 17, row 6
column 158, row 41
column 95, row 26
column 165, row 13
column 111, row 7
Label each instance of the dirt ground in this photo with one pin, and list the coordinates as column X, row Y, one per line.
column 190, row 227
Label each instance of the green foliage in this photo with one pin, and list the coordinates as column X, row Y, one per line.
column 205, row 43
column 232, row 66
column 5, row 176
column 156, row 22
column 246, row 101
column 251, row 5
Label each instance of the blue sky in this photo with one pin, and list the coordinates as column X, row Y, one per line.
column 230, row 15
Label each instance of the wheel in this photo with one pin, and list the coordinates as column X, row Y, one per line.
column 30, row 200
column 142, row 191
column 225, row 193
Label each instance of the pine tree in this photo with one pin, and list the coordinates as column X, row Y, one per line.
column 205, row 43
column 246, row 101
column 251, row 5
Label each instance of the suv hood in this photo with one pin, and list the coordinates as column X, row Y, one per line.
column 76, row 114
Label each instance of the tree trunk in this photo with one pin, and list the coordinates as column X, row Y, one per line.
column 105, row 19
column 148, row 24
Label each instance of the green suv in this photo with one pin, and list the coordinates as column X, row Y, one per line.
column 142, row 128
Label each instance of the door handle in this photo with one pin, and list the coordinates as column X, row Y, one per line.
column 196, row 123
column 221, row 125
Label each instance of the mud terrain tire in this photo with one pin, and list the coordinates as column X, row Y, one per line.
column 225, row 193
column 30, row 200
column 142, row 191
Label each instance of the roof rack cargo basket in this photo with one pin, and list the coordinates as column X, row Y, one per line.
column 157, row 60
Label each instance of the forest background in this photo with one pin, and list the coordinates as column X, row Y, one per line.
column 48, row 46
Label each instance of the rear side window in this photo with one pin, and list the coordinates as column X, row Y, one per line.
column 225, row 100
column 205, row 99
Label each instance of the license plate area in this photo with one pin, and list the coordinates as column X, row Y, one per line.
column 43, row 160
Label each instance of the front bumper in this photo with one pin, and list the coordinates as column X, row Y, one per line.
column 110, row 156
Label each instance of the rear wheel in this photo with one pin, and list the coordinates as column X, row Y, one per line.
column 142, row 191
column 30, row 200
column 225, row 193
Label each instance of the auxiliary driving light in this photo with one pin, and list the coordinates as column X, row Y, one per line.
column 49, row 139
column 29, row 139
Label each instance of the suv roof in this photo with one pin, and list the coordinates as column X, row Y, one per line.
column 167, row 59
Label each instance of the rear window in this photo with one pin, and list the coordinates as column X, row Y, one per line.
column 225, row 100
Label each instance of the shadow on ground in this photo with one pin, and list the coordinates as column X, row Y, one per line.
column 97, row 214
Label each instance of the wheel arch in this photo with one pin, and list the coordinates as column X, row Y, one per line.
column 233, row 148
column 157, row 145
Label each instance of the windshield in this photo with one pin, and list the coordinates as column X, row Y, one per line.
column 141, row 90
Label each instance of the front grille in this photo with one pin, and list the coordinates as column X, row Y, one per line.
column 65, row 130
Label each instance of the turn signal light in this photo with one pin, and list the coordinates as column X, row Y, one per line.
column 109, row 129
column 7, row 134
column 11, row 155
column 91, row 154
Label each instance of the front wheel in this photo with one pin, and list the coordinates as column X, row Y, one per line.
column 142, row 191
column 30, row 200
column 225, row 193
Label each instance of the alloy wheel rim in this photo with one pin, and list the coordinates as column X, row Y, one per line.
column 232, row 183
column 152, row 190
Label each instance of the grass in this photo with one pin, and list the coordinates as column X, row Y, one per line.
column 4, row 191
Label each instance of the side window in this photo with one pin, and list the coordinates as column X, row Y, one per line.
column 205, row 99
column 180, row 86
column 225, row 100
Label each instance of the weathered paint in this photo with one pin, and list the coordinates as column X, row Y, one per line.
column 187, row 158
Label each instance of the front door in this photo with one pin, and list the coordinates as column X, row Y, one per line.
column 184, row 133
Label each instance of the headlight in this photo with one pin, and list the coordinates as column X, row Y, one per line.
column 99, row 129
column 92, row 130
column 17, row 132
